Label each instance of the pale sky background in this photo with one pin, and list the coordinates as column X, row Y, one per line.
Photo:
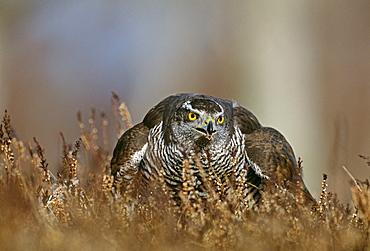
column 302, row 67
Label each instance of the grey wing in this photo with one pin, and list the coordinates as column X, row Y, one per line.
column 128, row 154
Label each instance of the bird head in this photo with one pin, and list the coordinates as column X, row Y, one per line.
column 202, row 121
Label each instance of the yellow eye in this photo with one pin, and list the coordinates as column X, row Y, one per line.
column 192, row 116
column 221, row 119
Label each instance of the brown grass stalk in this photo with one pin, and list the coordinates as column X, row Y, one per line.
column 77, row 209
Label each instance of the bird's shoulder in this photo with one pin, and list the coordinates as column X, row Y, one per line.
column 155, row 114
column 244, row 119
column 133, row 139
column 131, row 142
column 269, row 149
column 265, row 146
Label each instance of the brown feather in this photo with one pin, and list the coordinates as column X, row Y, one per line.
column 269, row 149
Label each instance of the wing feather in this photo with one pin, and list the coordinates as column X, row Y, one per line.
column 131, row 147
column 271, row 152
column 128, row 152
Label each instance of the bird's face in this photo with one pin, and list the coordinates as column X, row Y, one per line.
column 203, row 122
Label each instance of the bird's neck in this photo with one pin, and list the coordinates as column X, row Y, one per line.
column 203, row 143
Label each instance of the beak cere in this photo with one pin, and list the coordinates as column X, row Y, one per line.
column 208, row 130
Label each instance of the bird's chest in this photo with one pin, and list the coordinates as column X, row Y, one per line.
column 179, row 161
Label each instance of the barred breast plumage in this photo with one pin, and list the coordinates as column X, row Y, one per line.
column 194, row 138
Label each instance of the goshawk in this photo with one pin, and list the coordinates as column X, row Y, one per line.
column 200, row 137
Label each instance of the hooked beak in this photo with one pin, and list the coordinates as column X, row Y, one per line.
column 207, row 131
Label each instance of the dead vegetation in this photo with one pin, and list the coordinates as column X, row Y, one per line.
column 75, row 208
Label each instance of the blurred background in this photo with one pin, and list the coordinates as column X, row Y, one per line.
column 302, row 67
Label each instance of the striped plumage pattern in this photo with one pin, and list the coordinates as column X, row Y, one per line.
column 193, row 138
column 221, row 162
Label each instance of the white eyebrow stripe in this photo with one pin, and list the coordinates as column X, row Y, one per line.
column 219, row 114
column 222, row 109
column 188, row 106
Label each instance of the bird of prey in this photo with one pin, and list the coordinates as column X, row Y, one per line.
column 218, row 139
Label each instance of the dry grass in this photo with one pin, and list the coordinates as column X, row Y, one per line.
column 75, row 209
